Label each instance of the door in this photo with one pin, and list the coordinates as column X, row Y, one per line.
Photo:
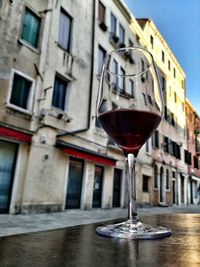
column 161, row 185
column 8, row 153
column 174, row 191
column 97, row 187
column 74, row 185
column 117, row 188
column 191, row 192
column 182, row 189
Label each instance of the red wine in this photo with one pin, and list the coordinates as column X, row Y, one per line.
column 130, row 129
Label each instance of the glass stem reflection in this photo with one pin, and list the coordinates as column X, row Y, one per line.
column 131, row 179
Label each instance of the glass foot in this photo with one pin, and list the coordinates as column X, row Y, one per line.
column 131, row 230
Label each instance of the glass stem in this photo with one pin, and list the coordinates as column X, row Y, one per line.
column 131, row 179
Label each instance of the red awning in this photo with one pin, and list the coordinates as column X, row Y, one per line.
column 89, row 156
column 14, row 134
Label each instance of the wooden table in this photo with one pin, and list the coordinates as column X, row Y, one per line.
column 80, row 246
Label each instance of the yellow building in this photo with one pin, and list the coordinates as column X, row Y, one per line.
column 170, row 170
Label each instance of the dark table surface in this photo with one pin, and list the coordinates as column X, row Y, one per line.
column 80, row 246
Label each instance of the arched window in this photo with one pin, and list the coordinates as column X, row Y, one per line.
column 155, row 176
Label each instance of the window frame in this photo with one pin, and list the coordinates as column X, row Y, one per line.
column 68, row 48
column 155, row 176
column 113, row 33
column 152, row 41
column 31, row 94
column 36, row 15
column 101, row 7
column 121, row 34
column 100, row 48
column 163, row 56
column 64, row 80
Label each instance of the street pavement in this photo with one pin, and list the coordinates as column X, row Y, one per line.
column 20, row 224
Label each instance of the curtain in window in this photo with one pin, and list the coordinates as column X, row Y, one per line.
column 113, row 24
column 30, row 28
column 64, row 31
column 121, row 34
column 59, row 94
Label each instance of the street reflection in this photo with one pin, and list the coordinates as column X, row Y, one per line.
column 80, row 246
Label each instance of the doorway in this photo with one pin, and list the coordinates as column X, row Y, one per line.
column 161, row 185
column 8, row 153
column 74, row 186
column 97, row 187
column 117, row 188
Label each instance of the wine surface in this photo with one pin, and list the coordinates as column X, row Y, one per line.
column 130, row 129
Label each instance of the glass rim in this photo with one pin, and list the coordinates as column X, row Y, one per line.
column 124, row 49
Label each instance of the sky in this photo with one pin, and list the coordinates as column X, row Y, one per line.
column 178, row 21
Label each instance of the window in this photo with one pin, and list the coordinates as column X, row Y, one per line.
column 145, row 184
column 169, row 65
column 174, row 73
column 30, row 29
column 166, row 113
column 163, row 83
column 149, row 99
column 195, row 160
column 175, row 97
column 101, row 12
column 175, row 150
column 113, row 24
column 166, row 144
column 182, row 84
column 130, row 43
column 142, row 65
column 163, row 56
column 172, row 119
column 122, row 80
column 167, row 179
column 121, row 34
column 64, row 30
column 151, row 41
column 59, row 93
column 145, row 99
column 130, row 88
column 155, row 139
column 101, row 56
column 115, row 70
column 21, row 92
column 187, row 157
column 155, row 176
column 147, row 146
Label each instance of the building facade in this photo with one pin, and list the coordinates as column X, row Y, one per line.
column 192, row 155
column 53, row 153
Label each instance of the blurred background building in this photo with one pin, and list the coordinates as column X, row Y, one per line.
column 53, row 153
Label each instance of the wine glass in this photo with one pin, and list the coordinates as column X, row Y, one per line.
column 129, row 108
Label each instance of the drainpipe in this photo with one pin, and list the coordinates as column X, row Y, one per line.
column 91, row 79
